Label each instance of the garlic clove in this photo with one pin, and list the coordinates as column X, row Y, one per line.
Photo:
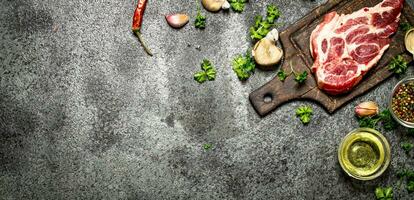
column 212, row 5
column 367, row 109
column 226, row 5
column 177, row 20
column 273, row 35
column 267, row 54
column 409, row 41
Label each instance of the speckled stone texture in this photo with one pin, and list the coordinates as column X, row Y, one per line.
column 86, row 114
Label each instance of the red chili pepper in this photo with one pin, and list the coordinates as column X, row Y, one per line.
column 137, row 22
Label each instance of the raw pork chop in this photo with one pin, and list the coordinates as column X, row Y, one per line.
column 346, row 47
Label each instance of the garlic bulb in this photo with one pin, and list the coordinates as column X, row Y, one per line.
column 212, row 5
column 177, row 20
column 367, row 109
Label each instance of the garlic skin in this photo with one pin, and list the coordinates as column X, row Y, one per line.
column 177, row 20
column 367, row 109
column 273, row 35
column 212, row 5
column 226, row 5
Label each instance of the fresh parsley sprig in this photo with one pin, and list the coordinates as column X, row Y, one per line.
column 244, row 66
column 407, row 147
column 383, row 193
column 208, row 73
column 408, row 175
column 304, row 113
column 398, row 65
column 207, row 146
column 384, row 117
column 200, row 20
column 237, row 5
column 282, row 75
column 262, row 25
column 300, row 78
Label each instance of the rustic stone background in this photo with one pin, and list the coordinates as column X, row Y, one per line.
column 86, row 114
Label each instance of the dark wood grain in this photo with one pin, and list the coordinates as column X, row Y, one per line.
column 295, row 42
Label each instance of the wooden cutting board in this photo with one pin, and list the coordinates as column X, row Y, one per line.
column 295, row 42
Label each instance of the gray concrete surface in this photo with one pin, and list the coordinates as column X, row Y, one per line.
column 86, row 114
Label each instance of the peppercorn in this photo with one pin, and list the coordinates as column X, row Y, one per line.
column 403, row 102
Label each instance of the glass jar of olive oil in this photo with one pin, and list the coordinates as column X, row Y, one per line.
column 364, row 154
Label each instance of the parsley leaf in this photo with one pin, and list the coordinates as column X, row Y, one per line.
column 398, row 65
column 281, row 75
column 273, row 13
column 301, row 78
column 207, row 146
column 211, row 75
column 208, row 73
column 407, row 147
column 410, row 186
column 200, row 77
column 206, row 65
column 387, row 120
column 304, row 113
column 200, row 20
column 409, row 175
column 237, row 5
column 262, row 26
column 368, row 122
column 384, row 117
column 244, row 66
column 405, row 26
column 384, row 193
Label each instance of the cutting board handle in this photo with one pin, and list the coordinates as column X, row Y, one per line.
column 276, row 92
column 267, row 98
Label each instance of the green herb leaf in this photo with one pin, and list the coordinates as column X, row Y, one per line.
column 385, row 117
column 368, row 122
column 273, row 13
column 282, row 75
column 206, row 65
column 208, row 73
column 304, row 113
column 262, row 26
column 387, row 120
column 237, row 5
column 410, row 186
column 243, row 66
column 207, row 146
column 405, row 26
column 200, row 21
column 379, row 193
column 398, row 65
column 388, row 192
column 211, row 74
column 200, row 77
column 383, row 193
column 407, row 147
column 301, row 78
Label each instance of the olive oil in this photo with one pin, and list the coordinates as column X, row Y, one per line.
column 364, row 154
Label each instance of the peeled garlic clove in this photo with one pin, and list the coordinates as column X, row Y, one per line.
column 267, row 54
column 409, row 41
column 177, row 20
column 367, row 109
column 226, row 5
column 273, row 35
column 212, row 5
